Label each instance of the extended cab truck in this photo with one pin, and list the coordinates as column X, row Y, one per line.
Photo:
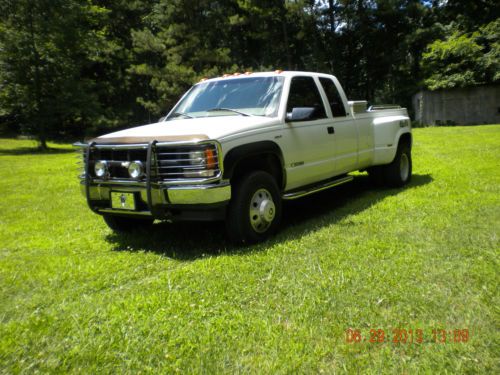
column 234, row 147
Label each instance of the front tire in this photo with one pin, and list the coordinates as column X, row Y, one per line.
column 126, row 224
column 254, row 212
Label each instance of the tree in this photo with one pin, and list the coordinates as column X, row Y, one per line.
column 69, row 67
column 181, row 42
column 463, row 59
column 184, row 40
column 115, row 86
column 468, row 15
column 44, row 47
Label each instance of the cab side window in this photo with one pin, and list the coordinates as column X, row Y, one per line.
column 336, row 104
column 304, row 93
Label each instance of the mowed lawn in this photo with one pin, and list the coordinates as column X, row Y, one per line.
column 74, row 297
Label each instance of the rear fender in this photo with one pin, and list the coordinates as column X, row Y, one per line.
column 388, row 133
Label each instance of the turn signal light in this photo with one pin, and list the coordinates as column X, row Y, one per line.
column 210, row 158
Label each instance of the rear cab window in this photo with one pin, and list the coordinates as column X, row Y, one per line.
column 333, row 96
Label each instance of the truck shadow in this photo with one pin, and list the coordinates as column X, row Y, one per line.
column 190, row 241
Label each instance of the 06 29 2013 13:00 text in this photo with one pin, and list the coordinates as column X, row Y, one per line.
column 407, row 336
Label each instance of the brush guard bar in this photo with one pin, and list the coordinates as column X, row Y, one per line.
column 178, row 193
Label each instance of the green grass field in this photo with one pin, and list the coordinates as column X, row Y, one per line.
column 77, row 298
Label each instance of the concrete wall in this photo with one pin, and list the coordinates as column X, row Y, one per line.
column 468, row 106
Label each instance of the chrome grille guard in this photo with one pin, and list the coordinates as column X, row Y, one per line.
column 152, row 170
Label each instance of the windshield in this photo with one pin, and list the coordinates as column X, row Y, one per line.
column 249, row 96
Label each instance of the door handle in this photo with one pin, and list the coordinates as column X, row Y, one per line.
column 331, row 130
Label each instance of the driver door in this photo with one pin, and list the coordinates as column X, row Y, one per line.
column 309, row 154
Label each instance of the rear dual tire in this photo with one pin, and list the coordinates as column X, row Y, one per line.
column 398, row 172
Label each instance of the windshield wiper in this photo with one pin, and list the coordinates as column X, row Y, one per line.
column 177, row 114
column 227, row 110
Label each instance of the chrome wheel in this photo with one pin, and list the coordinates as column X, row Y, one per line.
column 254, row 211
column 404, row 166
column 262, row 210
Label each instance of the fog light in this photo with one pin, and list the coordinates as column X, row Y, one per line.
column 101, row 168
column 136, row 169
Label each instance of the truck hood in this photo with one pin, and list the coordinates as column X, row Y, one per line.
column 214, row 127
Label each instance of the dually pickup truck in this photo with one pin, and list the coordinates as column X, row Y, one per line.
column 234, row 147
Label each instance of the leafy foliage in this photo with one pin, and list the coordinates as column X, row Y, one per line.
column 75, row 67
column 463, row 59
column 174, row 54
column 44, row 47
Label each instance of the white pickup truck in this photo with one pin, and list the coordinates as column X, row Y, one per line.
column 234, row 147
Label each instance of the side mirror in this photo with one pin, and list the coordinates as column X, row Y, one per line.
column 162, row 119
column 300, row 114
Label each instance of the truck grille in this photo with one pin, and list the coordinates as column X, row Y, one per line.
column 168, row 163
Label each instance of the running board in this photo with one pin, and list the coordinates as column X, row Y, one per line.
column 315, row 188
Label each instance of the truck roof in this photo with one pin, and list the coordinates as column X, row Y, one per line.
column 276, row 73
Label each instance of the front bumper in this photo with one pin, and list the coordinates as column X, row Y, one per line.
column 174, row 202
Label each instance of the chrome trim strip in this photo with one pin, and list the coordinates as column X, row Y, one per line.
column 380, row 107
column 202, row 167
column 112, row 182
column 175, row 153
column 199, row 194
column 149, row 157
column 193, row 181
column 88, row 179
column 132, row 146
column 317, row 188
column 191, row 171
column 169, row 182
column 113, row 211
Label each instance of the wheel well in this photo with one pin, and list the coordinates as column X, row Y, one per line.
column 267, row 162
column 405, row 139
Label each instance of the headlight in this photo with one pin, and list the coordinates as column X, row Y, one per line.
column 136, row 169
column 197, row 158
column 204, row 163
column 101, row 168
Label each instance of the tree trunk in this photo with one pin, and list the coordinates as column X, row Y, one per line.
column 331, row 14
column 41, row 133
column 285, row 36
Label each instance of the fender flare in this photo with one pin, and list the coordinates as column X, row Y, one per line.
column 398, row 138
column 238, row 153
column 403, row 133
